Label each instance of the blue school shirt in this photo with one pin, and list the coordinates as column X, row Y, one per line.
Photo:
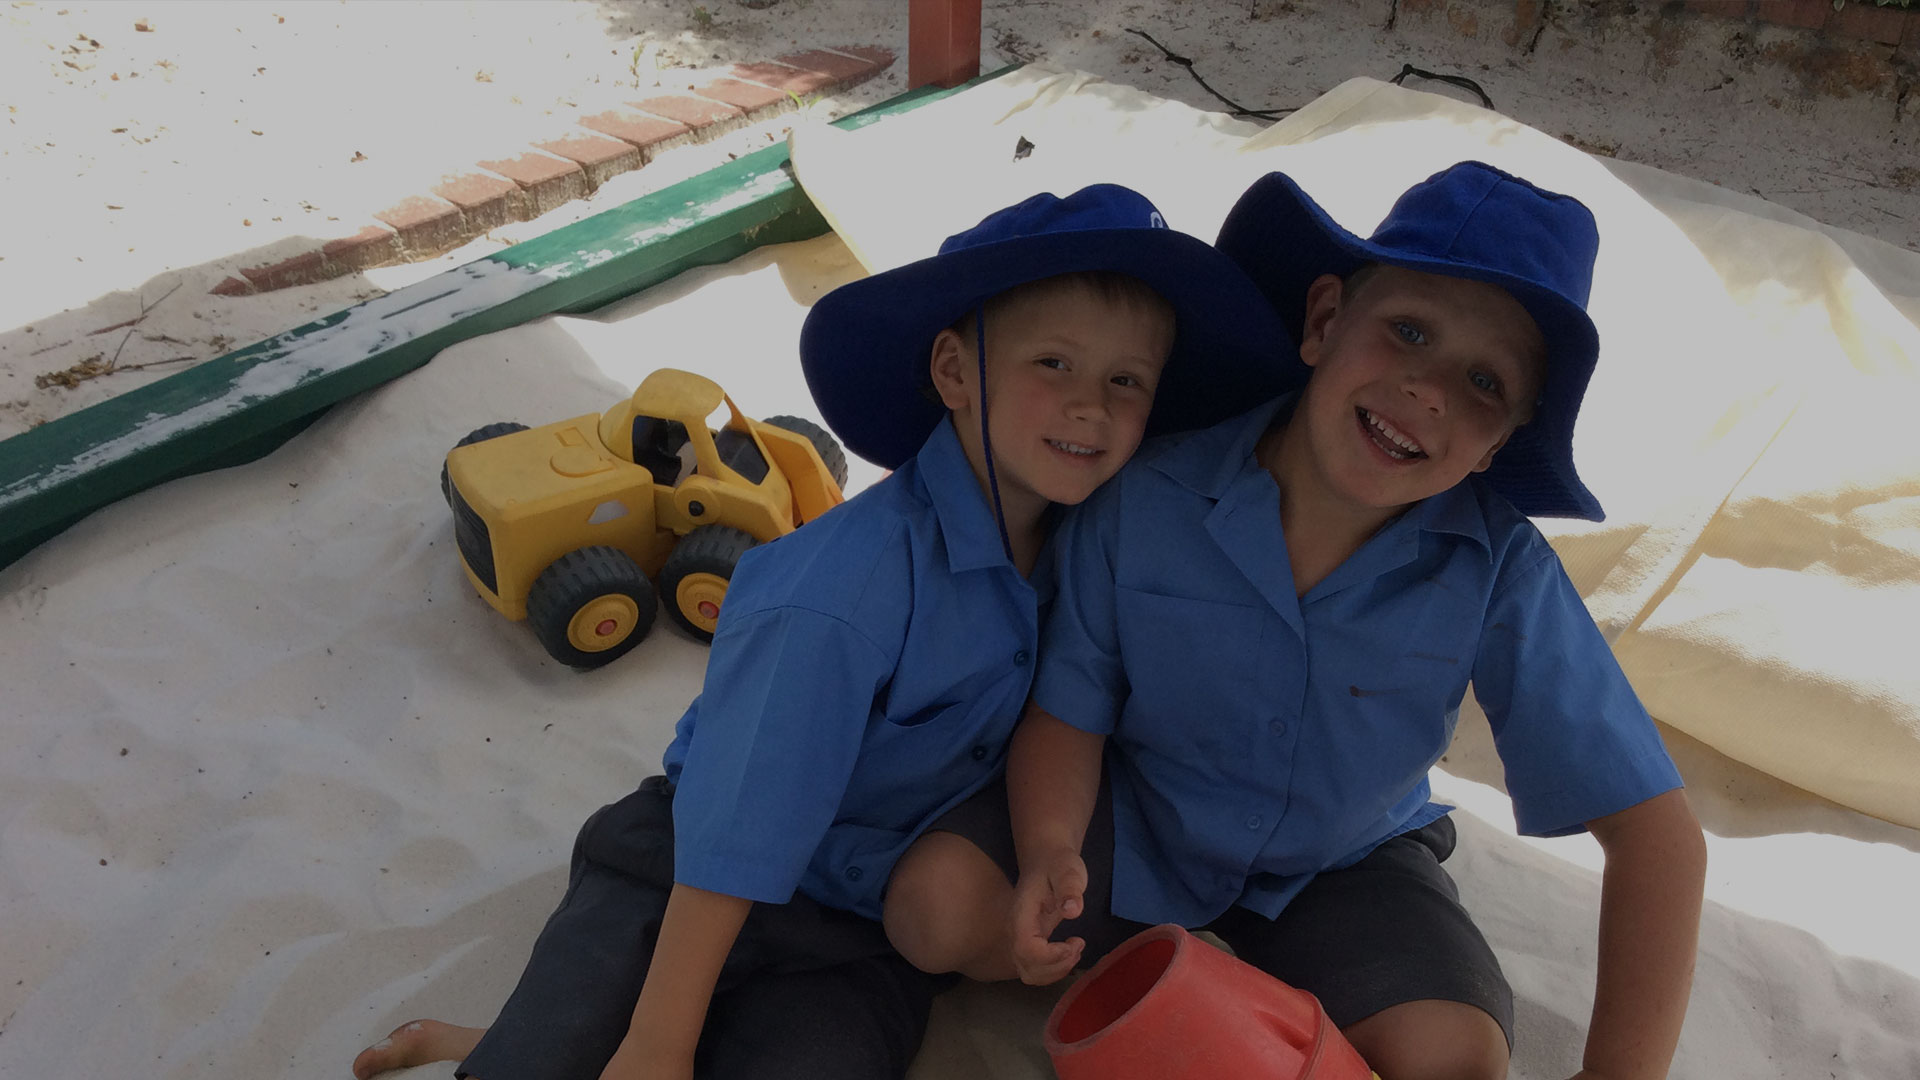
column 1257, row 739
column 866, row 675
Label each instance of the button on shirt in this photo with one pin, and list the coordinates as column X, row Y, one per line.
column 866, row 675
column 1256, row 738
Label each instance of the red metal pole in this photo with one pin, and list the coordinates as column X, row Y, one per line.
column 943, row 42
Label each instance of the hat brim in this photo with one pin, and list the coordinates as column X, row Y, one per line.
column 1284, row 240
column 866, row 346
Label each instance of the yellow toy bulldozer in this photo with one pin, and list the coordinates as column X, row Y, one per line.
column 564, row 525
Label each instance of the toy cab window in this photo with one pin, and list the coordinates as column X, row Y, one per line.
column 662, row 448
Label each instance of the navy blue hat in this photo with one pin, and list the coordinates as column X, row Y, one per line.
column 866, row 345
column 1471, row 221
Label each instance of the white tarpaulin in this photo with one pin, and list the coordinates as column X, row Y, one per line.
column 273, row 780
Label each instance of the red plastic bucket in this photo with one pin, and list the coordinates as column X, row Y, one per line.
column 1168, row 1006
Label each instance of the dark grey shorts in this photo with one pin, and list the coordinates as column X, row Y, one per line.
column 807, row 993
column 1382, row 932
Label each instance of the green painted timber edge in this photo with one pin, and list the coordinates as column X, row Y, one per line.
column 213, row 416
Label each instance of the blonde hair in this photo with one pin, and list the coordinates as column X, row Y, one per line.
column 1110, row 286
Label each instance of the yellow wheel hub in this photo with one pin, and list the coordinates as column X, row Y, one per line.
column 603, row 622
column 699, row 597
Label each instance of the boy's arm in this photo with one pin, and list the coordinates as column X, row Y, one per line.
column 1053, row 781
column 696, row 933
column 1650, row 897
column 1576, row 741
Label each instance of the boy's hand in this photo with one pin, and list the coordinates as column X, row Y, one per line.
column 1047, row 894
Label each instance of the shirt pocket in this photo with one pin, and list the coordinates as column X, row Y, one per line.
column 1418, row 659
column 1191, row 658
column 926, row 716
column 909, row 764
column 1394, row 687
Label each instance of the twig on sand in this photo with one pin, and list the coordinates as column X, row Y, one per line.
column 157, row 363
column 144, row 309
column 114, row 364
column 93, row 367
column 1863, row 181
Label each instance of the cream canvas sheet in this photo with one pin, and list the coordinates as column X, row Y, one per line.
column 274, row 781
column 1747, row 430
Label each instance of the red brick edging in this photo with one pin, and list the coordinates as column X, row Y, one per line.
column 1861, row 20
column 531, row 182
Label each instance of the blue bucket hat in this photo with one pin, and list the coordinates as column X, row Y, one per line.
column 1472, row 221
column 865, row 346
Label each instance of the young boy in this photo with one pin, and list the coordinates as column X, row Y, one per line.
column 1266, row 630
column 870, row 667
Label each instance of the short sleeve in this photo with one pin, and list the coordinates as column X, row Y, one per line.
column 1573, row 736
column 780, row 721
column 1080, row 678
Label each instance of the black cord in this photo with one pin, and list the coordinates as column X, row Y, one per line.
column 1185, row 62
column 986, row 440
column 1460, row 81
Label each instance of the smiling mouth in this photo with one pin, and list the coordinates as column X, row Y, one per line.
column 1389, row 438
column 1073, row 449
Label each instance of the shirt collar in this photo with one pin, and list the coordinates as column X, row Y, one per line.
column 1208, row 461
column 1456, row 510
column 966, row 519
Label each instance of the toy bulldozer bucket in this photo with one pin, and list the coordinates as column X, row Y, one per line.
column 1168, row 1006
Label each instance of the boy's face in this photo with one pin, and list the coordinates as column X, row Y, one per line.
column 1070, row 381
column 1417, row 380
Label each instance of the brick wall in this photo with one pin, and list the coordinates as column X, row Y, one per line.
column 1856, row 20
column 528, row 181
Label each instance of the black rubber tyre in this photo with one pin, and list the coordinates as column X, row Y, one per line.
column 694, row 580
column 830, row 452
column 479, row 434
column 591, row 606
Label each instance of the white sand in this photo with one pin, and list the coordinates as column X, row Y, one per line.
column 275, row 780
column 272, row 780
column 120, row 190
column 334, row 753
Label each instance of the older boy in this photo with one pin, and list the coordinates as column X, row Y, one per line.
column 870, row 667
column 1266, row 629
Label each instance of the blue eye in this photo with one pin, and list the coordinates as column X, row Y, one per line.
column 1486, row 382
column 1051, row 361
column 1410, row 333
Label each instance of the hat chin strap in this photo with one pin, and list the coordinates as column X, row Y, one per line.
column 986, row 441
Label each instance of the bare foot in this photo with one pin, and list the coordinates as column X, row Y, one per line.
column 417, row 1042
